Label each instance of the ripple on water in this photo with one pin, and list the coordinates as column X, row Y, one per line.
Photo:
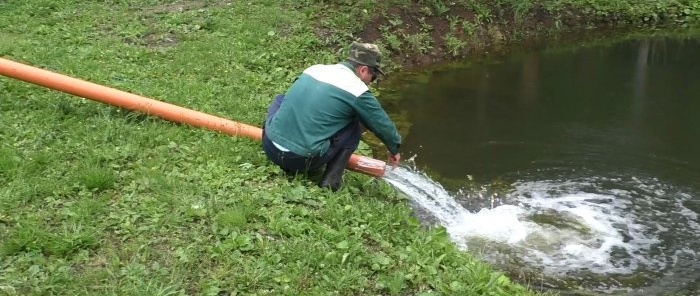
column 605, row 233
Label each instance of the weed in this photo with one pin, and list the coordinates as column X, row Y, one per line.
column 520, row 8
column 395, row 21
column 425, row 27
column 9, row 163
column 96, row 178
column 482, row 13
column 435, row 7
column 454, row 44
column 419, row 42
column 233, row 218
column 469, row 28
column 427, row 11
column 393, row 42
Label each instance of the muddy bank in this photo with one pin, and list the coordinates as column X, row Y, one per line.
column 419, row 33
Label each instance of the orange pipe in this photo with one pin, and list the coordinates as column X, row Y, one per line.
column 160, row 109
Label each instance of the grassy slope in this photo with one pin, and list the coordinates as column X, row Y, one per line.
column 97, row 200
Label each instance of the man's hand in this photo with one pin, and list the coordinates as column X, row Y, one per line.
column 394, row 159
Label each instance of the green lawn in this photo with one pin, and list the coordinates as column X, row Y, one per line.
column 97, row 200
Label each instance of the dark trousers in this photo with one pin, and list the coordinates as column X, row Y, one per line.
column 346, row 138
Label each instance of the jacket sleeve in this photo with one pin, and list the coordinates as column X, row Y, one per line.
column 373, row 116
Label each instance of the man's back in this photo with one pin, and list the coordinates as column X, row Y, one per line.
column 317, row 105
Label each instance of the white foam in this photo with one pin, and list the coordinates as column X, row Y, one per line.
column 499, row 224
column 594, row 231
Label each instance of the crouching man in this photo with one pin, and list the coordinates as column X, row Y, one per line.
column 320, row 119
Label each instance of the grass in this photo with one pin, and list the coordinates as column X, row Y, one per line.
column 99, row 200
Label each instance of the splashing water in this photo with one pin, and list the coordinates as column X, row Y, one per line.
column 595, row 225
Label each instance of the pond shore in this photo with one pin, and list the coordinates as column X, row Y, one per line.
column 420, row 33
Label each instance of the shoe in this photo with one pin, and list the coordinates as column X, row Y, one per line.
column 333, row 176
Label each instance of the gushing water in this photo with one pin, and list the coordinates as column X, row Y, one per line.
column 614, row 228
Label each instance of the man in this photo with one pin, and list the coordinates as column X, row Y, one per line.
column 321, row 117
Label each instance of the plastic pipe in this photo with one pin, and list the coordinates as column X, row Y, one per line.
column 170, row 112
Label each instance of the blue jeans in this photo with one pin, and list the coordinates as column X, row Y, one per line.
column 346, row 138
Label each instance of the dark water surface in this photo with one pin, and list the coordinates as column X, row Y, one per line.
column 605, row 133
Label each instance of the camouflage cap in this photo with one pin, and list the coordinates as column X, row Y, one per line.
column 367, row 54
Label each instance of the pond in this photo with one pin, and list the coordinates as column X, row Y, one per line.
column 571, row 168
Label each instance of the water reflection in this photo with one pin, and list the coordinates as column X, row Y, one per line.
column 621, row 106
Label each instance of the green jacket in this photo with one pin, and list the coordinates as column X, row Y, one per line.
column 323, row 100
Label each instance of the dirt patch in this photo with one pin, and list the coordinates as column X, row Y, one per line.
column 161, row 38
column 154, row 40
column 182, row 6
